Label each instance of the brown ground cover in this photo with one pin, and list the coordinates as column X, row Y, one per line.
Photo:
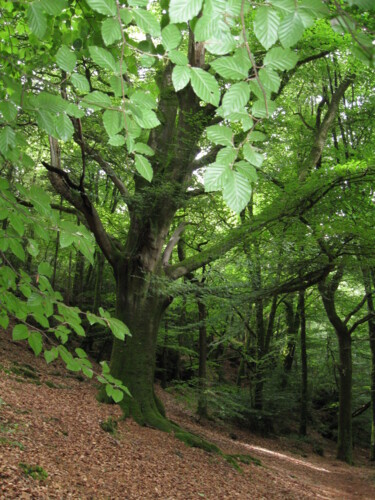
column 51, row 419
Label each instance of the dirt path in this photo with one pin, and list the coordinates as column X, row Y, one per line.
column 50, row 419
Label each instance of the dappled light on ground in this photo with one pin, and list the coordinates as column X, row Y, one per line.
column 282, row 456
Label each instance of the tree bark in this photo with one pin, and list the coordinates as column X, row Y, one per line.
column 304, row 387
column 202, row 371
column 345, row 438
column 366, row 272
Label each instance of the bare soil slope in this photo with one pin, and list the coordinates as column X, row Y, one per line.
column 49, row 419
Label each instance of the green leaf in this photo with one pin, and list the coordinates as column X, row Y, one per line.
column 270, row 79
column 182, row 11
column 223, row 43
column 143, row 99
column 36, row 19
column 180, row 77
column 17, row 249
column 230, row 67
column 256, row 136
column 51, row 103
column 64, row 127
column 226, row 156
column 252, row 156
column 45, row 269
column 80, row 82
column 54, row 7
column 4, row 320
column 8, row 110
column 113, row 121
column 138, row 3
column 237, row 191
column 45, row 121
column 17, row 223
column 147, row 119
column 260, row 110
column 118, row 328
column 285, row 6
column 139, row 147
column 220, row 135
column 32, row 247
column 97, row 100
column 236, row 98
column 51, row 355
column 106, row 7
column 7, row 139
column 178, row 58
column 291, row 29
column 215, row 177
column 247, row 170
column 117, row 140
column 111, row 30
column 36, row 342
column 266, row 24
column 20, row 332
column 206, row 27
column 319, row 9
column 117, row 395
column 103, row 58
column 205, row 86
column 40, row 199
column 126, row 16
column 171, row 37
column 281, row 59
column 146, row 21
column 66, row 59
column 80, row 353
column 144, row 167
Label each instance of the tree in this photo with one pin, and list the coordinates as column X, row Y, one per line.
column 175, row 85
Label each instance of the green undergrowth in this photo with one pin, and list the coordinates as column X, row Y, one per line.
column 9, row 442
column 109, row 425
column 34, row 471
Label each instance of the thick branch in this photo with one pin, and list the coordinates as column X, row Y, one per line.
column 110, row 172
column 322, row 132
column 173, row 242
column 79, row 200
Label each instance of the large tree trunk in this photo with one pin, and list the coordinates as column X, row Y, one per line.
column 133, row 362
column 345, row 440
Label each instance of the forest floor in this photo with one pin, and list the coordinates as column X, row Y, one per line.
column 50, row 420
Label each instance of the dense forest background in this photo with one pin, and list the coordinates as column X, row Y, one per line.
column 187, row 192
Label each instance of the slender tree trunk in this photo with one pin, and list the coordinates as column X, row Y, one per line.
column 78, row 279
column 345, row 439
column 55, row 259
column 371, row 328
column 303, row 415
column 98, row 281
column 202, row 372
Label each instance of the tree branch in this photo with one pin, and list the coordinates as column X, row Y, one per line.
column 322, row 132
column 360, row 321
column 173, row 242
column 357, row 308
column 79, row 199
